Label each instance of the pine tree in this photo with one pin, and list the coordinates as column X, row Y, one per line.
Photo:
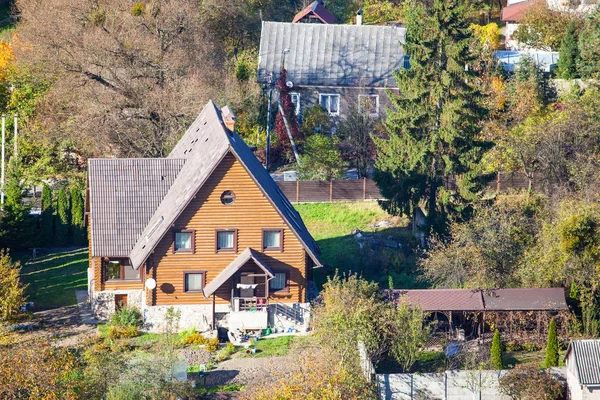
column 589, row 46
column 568, row 56
column 47, row 218
column 17, row 224
column 63, row 213
column 496, row 352
column 77, row 216
column 434, row 126
column 552, row 346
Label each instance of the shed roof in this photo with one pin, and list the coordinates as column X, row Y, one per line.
column 317, row 10
column 124, row 193
column 332, row 55
column 444, row 299
column 586, row 354
column 206, row 142
column 515, row 12
column 241, row 260
column 521, row 299
column 524, row 299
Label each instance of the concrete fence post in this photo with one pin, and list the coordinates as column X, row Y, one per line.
column 331, row 190
column 297, row 191
column 364, row 188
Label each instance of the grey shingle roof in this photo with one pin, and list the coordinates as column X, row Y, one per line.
column 337, row 55
column 586, row 354
column 124, row 193
column 206, row 142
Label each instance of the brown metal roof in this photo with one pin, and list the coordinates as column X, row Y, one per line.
column 515, row 12
column 232, row 268
column 521, row 299
column 317, row 10
column 524, row 299
column 444, row 299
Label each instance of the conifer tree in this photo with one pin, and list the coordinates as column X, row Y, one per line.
column 63, row 212
column 496, row 352
column 17, row 224
column 589, row 46
column 434, row 126
column 47, row 217
column 77, row 216
column 552, row 346
column 569, row 54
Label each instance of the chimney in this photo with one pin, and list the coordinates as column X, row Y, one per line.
column 228, row 118
column 359, row 17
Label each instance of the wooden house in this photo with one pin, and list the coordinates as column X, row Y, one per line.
column 205, row 230
column 336, row 66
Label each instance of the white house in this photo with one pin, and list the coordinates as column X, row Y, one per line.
column 583, row 369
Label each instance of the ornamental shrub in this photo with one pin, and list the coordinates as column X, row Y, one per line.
column 496, row 352
column 552, row 346
column 193, row 338
column 212, row 345
column 127, row 317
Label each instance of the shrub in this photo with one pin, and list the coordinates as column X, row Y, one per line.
column 118, row 332
column 528, row 383
column 212, row 345
column 552, row 346
column 496, row 352
column 530, row 346
column 513, row 345
column 229, row 349
column 127, row 317
column 193, row 338
column 12, row 291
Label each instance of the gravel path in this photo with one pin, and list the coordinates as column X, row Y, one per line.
column 250, row 371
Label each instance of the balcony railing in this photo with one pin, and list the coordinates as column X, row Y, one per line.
column 250, row 304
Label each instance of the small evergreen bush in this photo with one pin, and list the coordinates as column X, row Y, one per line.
column 552, row 346
column 496, row 352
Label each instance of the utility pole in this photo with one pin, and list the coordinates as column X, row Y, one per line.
column 3, row 156
column 268, row 152
column 15, row 140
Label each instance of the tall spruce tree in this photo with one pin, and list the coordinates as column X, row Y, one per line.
column 552, row 346
column 63, row 213
column 496, row 352
column 47, row 217
column 589, row 46
column 77, row 216
column 434, row 126
column 569, row 54
column 17, row 224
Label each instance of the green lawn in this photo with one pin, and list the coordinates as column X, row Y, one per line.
column 53, row 277
column 331, row 224
column 274, row 347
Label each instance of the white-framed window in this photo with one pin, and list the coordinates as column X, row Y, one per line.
column 330, row 102
column 368, row 104
column 296, row 102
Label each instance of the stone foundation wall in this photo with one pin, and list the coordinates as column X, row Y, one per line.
column 103, row 303
column 193, row 316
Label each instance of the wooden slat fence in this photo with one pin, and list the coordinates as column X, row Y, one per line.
column 366, row 189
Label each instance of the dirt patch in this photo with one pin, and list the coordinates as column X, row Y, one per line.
column 250, row 371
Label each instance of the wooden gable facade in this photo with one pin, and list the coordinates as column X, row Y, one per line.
column 265, row 257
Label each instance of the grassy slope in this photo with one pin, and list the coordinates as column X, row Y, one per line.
column 54, row 277
column 331, row 225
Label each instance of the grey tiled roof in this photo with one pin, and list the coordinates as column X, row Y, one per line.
column 124, row 193
column 206, row 142
column 586, row 354
column 337, row 55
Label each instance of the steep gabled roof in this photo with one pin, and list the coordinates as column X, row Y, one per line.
column 586, row 354
column 241, row 260
column 336, row 55
column 206, row 142
column 124, row 193
column 317, row 10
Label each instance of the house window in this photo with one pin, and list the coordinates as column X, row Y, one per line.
column 184, row 241
column 228, row 197
column 279, row 282
column 406, row 62
column 226, row 239
column 193, row 281
column 331, row 103
column 368, row 104
column 272, row 239
column 121, row 270
column 296, row 101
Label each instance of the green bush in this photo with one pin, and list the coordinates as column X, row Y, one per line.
column 496, row 352
column 513, row 345
column 127, row 317
column 552, row 346
column 531, row 346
